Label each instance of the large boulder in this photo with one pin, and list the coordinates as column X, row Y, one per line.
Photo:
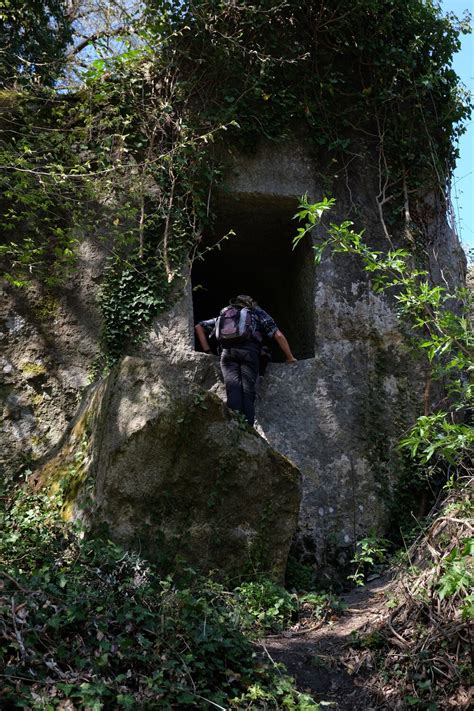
column 173, row 474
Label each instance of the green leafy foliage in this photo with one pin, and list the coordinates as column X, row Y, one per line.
column 436, row 437
column 262, row 607
column 133, row 291
column 33, row 40
column 370, row 551
column 458, row 573
column 86, row 623
column 128, row 155
column 269, row 607
column 47, row 204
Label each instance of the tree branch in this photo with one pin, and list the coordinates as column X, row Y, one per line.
column 93, row 38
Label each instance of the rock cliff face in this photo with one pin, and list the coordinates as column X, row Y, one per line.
column 336, row 414
column 48, row 343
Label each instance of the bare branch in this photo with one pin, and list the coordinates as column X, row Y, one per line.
column 98, row 35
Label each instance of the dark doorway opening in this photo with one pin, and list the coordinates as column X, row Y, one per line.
column 259, row 260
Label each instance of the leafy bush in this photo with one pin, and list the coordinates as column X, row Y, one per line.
column 369, row 551
column 263, row 607
column 458, row 574
column 319, row 606
column 266, row 607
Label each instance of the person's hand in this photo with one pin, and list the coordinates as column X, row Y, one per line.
column 291, row 360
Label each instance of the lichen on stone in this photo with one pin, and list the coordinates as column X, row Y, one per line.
column 33, row 369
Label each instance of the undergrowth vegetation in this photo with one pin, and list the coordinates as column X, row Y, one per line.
column 91, row 625
column 420, row 654
column 130, row 156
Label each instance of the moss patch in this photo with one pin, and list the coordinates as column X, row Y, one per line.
column 33, row 369
column 46, row 308
column 66, row 472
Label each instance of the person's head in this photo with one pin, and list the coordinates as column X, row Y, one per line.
column 244, row 300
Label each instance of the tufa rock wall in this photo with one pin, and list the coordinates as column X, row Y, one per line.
column 49, row 340
column 337, row 414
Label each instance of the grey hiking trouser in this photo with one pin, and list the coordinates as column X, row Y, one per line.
column 240, row 370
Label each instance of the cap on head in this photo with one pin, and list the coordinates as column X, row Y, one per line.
column 244, row 300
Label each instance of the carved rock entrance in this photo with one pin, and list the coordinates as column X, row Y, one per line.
column 258, row 260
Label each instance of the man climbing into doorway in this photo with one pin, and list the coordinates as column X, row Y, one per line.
column 240, row 329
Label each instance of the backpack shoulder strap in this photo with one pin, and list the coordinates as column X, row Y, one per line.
column 243, row 318
column 217, row 327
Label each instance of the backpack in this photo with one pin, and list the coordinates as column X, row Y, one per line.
column 234, row 325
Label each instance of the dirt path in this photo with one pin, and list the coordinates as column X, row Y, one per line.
column 325, row 661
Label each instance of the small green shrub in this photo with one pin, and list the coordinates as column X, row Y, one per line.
column 369, row 551
column 458, row 575
column 265, row 607
column 320, row 606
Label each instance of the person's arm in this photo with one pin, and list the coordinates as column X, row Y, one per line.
column 285, row 346
column 202, row 338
